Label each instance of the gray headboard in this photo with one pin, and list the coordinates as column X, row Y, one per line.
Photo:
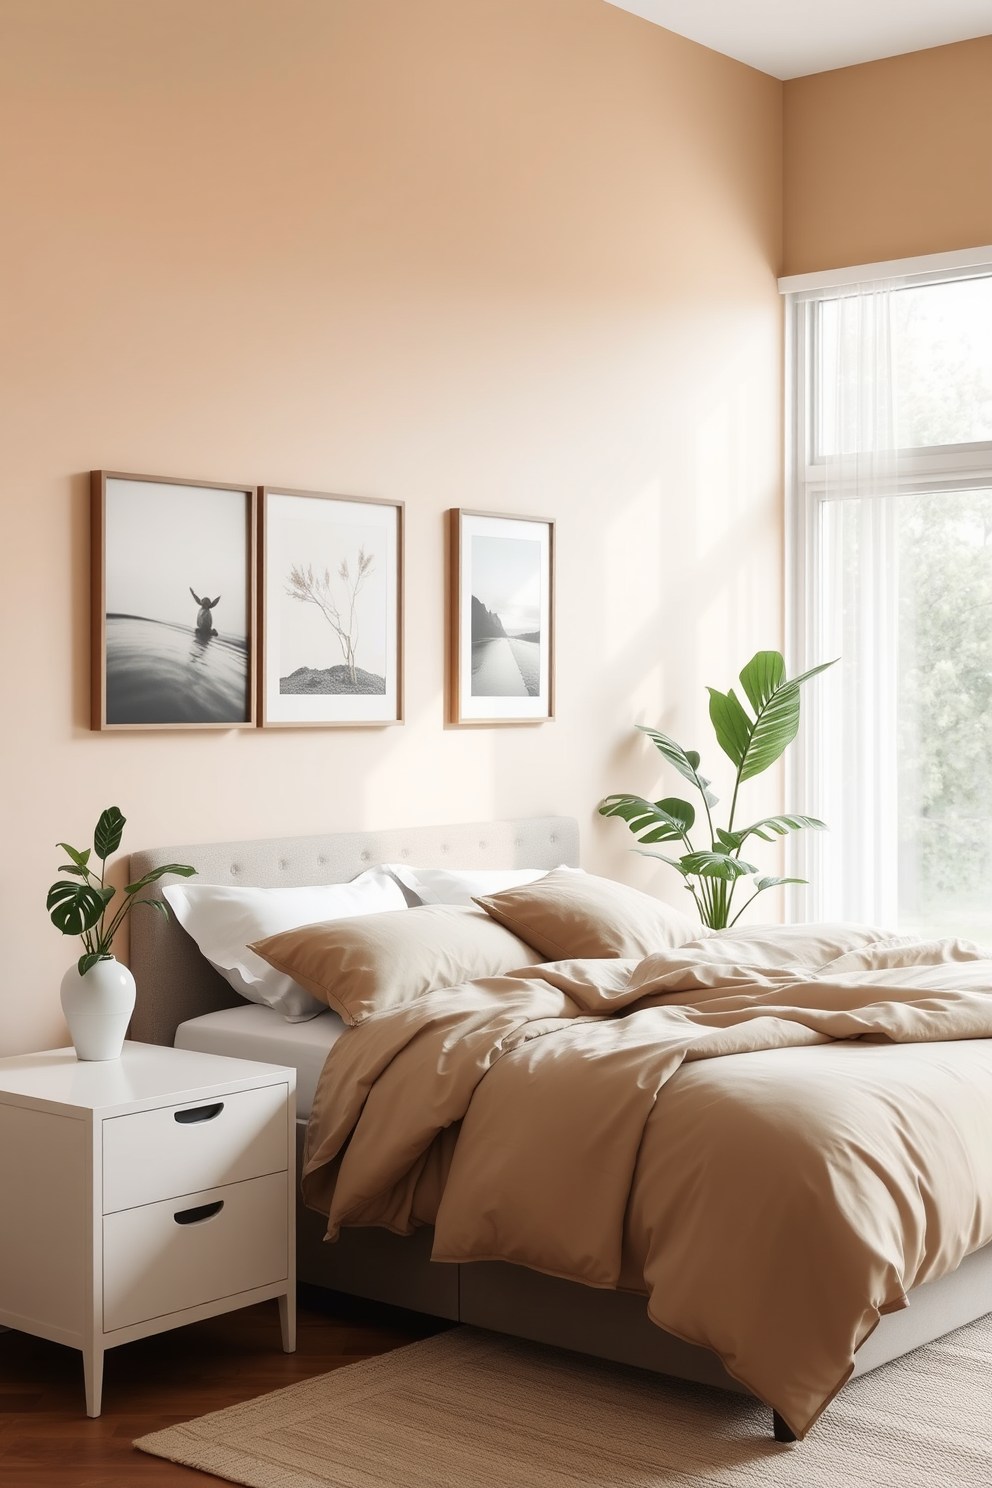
column 173, row 980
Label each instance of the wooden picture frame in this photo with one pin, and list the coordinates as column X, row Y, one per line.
column 167, row 652
column 331, row 600
column 501, row 619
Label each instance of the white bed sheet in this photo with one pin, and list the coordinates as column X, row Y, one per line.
column 256, row 1032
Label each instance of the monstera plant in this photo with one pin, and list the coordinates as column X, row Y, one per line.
column 752, row 741
column 80, row 905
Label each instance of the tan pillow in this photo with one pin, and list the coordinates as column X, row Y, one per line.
column 569, row 916
column 368, row 963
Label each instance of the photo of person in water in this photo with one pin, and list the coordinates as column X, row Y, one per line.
column 177, row 612
column 205, row 620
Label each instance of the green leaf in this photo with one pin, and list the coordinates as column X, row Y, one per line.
column 730, row 723
column 79, row 858
column 63, row 891
column 90, row 958
column 705, row 865
column 775, row 728
column 763, row 676
column 761, row 884
column 780, row 825
column 686, row 761
column 108, row 834
column 76, row 908
column 731, row 841
column 776, row 723
column 716, row 865
column 647, row 816
column 681, row 811
column 183, row 869
column 74, row 869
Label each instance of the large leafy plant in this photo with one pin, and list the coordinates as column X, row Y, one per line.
column 712, row 874
column 81, row 905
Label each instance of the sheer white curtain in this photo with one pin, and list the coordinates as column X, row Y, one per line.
column 891, row 571
column 853, row 612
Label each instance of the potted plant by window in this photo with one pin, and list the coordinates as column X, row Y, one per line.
column 752, row 743
column 98, row 992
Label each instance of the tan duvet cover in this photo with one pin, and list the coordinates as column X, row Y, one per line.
column 599, row 1121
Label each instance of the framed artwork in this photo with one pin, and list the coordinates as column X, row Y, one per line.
column 173, row 603
column 331, row 586
column 501, row 607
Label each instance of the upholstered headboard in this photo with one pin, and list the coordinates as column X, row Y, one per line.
column 174, row 982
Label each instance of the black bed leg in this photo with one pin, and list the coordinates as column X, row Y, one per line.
column 783, row 1432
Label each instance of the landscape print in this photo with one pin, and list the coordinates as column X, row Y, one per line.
column 502, row 576
column 177, row 602
column 506, row 617
column 330, row 609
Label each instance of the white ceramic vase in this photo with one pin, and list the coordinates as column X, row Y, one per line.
column 98, row 1008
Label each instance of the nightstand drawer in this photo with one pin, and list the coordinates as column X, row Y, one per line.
column 173, row 1150
column 164, row 1257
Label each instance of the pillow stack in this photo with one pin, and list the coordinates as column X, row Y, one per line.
column 358, row 949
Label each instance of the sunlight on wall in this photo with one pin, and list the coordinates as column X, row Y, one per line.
column 632, row 569
column 515, row 255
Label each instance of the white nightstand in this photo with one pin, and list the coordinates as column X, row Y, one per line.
column 143, row 1193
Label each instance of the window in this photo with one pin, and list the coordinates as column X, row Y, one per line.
column 891, row 571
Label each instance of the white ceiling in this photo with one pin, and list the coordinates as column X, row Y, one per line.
column 790, row 38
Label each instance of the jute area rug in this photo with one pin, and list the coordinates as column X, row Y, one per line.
column 467, row 1409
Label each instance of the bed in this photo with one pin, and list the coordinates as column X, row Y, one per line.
column 182, row 999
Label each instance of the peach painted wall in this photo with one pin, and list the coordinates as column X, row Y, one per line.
column 511, row 254
column 889, row 159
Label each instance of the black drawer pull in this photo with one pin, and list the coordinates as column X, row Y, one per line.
column 198, row 1113
column 200, row 1213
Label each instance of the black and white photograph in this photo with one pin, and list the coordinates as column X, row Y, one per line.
column 331, row 609
column 173, row 603
column 502, row 615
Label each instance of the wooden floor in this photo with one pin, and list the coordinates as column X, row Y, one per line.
column 47, row 1440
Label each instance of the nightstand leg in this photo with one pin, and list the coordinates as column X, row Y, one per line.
column 287, row 1322
column 93, row 1377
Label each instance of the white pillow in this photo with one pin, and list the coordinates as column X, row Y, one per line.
column 222, row 920
column 461, row 885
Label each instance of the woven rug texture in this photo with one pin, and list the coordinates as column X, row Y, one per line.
column 468, row 1409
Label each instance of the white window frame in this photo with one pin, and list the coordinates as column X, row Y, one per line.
column 949, row 467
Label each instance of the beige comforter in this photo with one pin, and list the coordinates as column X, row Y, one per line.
column 586, row 1119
